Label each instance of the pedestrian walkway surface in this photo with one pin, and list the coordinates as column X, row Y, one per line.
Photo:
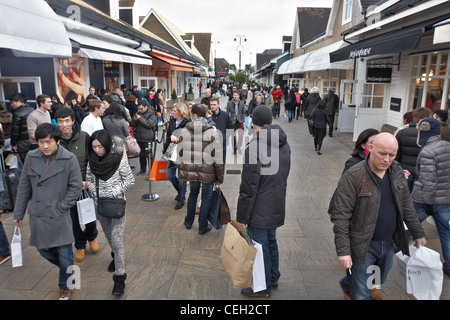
column 165, row 261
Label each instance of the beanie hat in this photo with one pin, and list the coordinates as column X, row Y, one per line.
column 262, row 115
column 427, row 128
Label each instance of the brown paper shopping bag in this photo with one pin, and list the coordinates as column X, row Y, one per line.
column 237, row 255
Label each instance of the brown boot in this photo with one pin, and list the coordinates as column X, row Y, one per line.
column 80, row 255
column 376, row 294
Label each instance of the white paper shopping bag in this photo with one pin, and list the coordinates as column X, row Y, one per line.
column 16, row 249
column 86, row 209
column 259, row 275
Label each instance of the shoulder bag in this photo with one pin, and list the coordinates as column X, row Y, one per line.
column 110, row 207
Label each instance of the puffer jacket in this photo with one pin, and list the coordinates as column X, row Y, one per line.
column 19, row 129
column 356, row 206
column 201, row 154
column 262, row 194
column 408, row 150
column 433, row 184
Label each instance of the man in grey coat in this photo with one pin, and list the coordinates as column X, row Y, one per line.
column 236, row 111
column 50, row 184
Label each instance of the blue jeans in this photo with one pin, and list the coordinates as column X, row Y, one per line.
column 207, row 190
column 179, row 185
column 268, row 240
column 63, row 258
column 379, row 260
column 441, row 216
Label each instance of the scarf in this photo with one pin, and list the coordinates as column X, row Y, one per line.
column 104, row 167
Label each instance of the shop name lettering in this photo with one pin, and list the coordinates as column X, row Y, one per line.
column 360, row 53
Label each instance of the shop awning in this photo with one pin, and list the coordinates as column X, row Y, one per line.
column 98, row 49
column 315, row 60
column 405, row 39
column 174, row 64
column 32, row 29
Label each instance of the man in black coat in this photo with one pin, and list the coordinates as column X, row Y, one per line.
column 332, row 101
column 408, row 150
column 262, row 196
column 20, row 141
column 223, row 122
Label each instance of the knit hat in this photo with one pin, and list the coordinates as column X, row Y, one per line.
column 262, row 115
column 427, row 128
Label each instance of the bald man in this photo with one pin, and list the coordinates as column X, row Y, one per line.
column 372, row 202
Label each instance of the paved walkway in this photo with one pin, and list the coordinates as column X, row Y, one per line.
column 165, row 261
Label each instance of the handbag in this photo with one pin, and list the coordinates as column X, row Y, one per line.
column 159, row 171
column 133, row 146
column 86, row 208
column 237, row 255
column 225, row 215
column 110, row 207
column 16, row 249
column 248, row 122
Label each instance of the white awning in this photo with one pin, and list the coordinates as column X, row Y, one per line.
column 108, row 51
column 32, row 29
column 316, row 60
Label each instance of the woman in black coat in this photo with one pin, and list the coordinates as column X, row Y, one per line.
column 291, row 101
column 311, row 103
column 319, row 119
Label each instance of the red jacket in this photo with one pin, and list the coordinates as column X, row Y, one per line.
column 277, row 95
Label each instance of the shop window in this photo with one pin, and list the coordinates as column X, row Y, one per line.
column 430, row 81
column 28, row 86
column 373, row 95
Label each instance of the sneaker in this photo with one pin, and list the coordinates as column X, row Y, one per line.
column 80, row 255
column 4, row 259
column 94, row 246
column 65, row 294
column 255, row 295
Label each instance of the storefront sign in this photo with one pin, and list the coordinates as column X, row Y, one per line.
column 396, row 104
column 379, row 75
column 358, row 53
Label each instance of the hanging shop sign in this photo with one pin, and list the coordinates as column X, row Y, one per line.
column 379, row 75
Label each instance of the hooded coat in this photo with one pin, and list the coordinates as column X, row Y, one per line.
column 262, row 194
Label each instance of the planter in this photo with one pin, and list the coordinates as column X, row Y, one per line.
column 190, row 96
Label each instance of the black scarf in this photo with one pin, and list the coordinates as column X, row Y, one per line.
column 104, row 167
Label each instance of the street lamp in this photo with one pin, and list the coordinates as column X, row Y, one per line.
column 240, row 48
column 215, row 43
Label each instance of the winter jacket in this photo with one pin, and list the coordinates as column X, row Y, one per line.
column 144, row 128
column 408, row 150
column 49, row 192
column 291, row 101
column 231, row 110
column 172, row 129
column 332, row 101
column 78, row 144
column 356, row 206
column 311, row 102
column 200, row 150
column 320, row 118
column 19, row 129
column 223, row 122
column 433, row 184
column 277, row 95
column 262, row 193
column 120, row 182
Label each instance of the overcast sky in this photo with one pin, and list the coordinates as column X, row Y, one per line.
column 263, row 22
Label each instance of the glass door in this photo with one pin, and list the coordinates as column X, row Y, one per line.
column 347, row 106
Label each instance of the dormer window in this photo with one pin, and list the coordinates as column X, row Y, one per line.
column 347, row 11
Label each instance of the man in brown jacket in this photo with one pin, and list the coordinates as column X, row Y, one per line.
column 201, row 164
column 372, row 201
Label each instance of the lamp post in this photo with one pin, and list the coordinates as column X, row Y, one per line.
column 240, row 48
column 215, row 42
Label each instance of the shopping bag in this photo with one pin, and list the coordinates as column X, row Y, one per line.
column 159, row 171
column 214, row 216
column 248, row 122
column 86, row 209
column 133, row 146
column 420, row 273
column 16, row 249
column 171, row 153
column 258, row 274
column 237, row 255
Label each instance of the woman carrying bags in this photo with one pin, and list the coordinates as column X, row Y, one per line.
column 109, row 175
column 180, row 116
